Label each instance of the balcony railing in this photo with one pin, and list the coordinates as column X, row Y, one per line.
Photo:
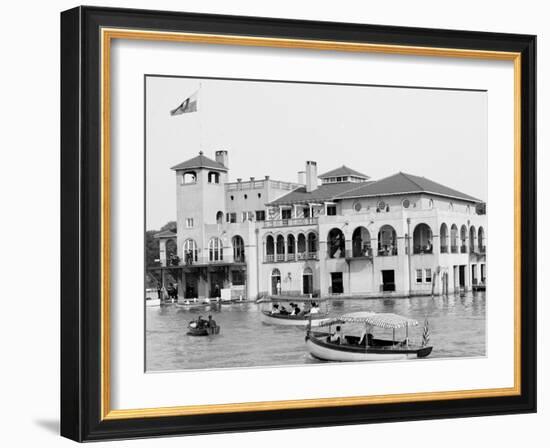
column 291, row 222
column 454, row 249
column 482, row 249
column 420, row 250
column 279, row 258
column 463, row 249
column 444, row 249
column 387, row 252
column 239, row 259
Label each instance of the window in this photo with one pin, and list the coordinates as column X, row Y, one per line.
column 259, row 195
column 215, row 249
column 331, row 210
column 419, row 276
column 246, row 196
column 248, row 216
column 189, row 178
column 306, row 212
column 231, row 217
column 213, row 178
column 286, row 213
column 260, row 215
column 189, row 223
column 428, row 275
column 381, row 206
column 232, row 197
column 190, row 251
column 406, row 203
column 237, row 278
column 357, row 206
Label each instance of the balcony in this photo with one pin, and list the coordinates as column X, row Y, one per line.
column 421, row 250
column 463, row 249
column 281, row 258
column 444, row 249
column 290, row 222
column 454, row 249
column 389, row 252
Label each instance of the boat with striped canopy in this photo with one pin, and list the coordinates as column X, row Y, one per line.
column 337, row 346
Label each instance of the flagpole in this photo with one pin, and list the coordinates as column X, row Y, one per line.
column 199, row 117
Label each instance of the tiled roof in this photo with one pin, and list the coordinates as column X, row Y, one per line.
column 201, row 161
column 402, row 183
column 165, row 234
column 343, row 171
column 325, row 192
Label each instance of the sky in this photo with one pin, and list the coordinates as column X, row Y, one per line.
column 272, row 128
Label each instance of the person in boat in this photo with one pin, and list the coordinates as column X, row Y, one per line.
column 337, row 337
column 284, row 311
column 275, row 309
column 366, row 338
column 211, row 322
column 314, row 308
column 295, row 310
column 201, row 323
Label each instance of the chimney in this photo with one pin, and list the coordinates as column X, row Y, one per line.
column 221, row 157
column 311, row 175
column 302, row 177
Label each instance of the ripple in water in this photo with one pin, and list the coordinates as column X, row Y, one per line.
column 457, row 329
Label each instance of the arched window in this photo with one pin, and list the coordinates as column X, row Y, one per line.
column 307, row 281
column 280, row 248
column 219, row 217
column 215, row 249
column 454, row 239
column 387, row 241
column 302, row 251
column 172, row 258
column 361, row 243
column 481, row 240
column 269, row 248
column 463, row 237
column 312, row 245
column 336, row 244
column 444, row 239
column 275, row 282
column 422, row 239
column 290, row 247
column 190, row 177
column 213, row 177
column 472, row 239
column 238, row 249
column 190, row 251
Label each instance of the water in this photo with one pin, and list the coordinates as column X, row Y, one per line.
column 457, row 329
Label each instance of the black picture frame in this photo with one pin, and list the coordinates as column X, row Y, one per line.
column 81, row 224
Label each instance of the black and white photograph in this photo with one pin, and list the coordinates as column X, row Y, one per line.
column 295, row 223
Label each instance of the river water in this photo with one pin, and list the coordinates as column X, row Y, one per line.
column 456, row 323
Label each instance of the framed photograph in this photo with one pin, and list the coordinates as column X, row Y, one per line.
column 271, row 223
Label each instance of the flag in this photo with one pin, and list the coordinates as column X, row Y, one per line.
column 425, row 334
column 189, row 105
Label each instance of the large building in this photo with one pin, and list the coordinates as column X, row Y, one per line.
column 335, row 234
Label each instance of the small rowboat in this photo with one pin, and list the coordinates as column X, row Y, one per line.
column 310, row 314
column 203, row 329
column 327, row 346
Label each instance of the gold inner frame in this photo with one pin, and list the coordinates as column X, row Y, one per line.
column 107, row 35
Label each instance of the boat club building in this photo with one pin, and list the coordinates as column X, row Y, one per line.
column 335, row 234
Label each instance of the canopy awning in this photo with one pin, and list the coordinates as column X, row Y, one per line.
column 275, row 299
column 382, row 320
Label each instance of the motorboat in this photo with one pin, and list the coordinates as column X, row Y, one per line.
column 339, row 346
column 280, row 310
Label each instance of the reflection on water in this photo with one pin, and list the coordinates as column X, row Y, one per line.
column 457, row 329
